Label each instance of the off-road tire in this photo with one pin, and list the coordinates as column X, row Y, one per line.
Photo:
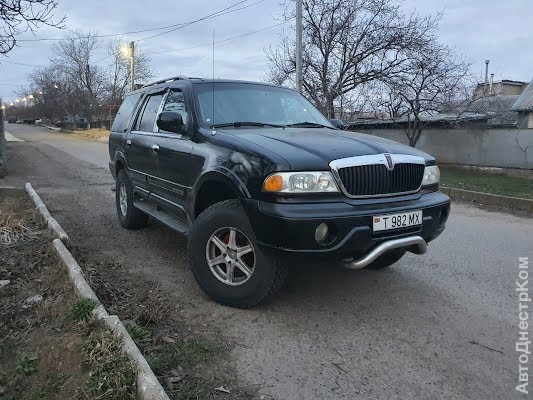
column 269, row 274
column 387, row 259
column 134, row 218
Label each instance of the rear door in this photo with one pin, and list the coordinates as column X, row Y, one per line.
column 141, row 150
column 172, row 184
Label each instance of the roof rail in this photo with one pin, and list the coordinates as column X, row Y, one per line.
column 174, row 78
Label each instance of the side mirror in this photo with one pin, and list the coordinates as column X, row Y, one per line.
column 337, row 123
column 170, row 121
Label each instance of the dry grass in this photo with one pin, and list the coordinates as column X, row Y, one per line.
column 14, row 230
column 111, row 375
column 94, row 133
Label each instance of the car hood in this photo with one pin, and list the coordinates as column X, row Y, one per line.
column 314, row 148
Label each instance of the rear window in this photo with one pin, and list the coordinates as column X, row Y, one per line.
column 123, row 117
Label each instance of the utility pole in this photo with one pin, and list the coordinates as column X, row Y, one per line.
column 299, row 28
column 485, row 88
column 132, row 65
column 3, row 155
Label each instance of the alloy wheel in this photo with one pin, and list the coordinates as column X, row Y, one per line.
column 230, row 256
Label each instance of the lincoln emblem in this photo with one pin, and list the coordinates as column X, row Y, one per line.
column 390, row 163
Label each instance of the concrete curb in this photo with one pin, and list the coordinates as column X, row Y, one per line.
column 148, row 386
column 53, row 128
column 488, row 198
column 53, row 225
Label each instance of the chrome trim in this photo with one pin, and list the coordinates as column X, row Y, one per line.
column 417, row 241
column 156, row 177
column 373, row 159
column 140, row 189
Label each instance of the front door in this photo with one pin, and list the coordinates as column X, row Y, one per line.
column 141, row 147
column 174, row 164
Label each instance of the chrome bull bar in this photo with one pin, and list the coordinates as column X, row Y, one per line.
column 414, row 244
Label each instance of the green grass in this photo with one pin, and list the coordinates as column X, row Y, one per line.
column 138, row 333
column 486, row 183
column 81, row 310
column 26, row 363
column 111, row 375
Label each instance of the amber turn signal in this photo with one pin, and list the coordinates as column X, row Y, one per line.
column 273, row 183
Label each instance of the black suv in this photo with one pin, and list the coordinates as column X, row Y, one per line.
column 252, row 173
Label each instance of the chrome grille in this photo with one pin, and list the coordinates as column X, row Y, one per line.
column 379, row 175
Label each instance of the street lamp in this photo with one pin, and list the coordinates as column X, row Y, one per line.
column 129, row 53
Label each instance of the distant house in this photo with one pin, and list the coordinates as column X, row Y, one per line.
column 524, row 107
column 504, row 87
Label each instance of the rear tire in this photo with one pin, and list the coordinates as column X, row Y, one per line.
column 128, row 216
column 226, row 260
column 387, row 259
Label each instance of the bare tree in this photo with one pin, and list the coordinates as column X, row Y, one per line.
column 74, row 59
column 347, row 43
column 19, row 16
column 119, row 72
column 54, row 96
column 433, row 79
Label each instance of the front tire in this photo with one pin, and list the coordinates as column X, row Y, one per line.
column 226, row 260
column 128, row 216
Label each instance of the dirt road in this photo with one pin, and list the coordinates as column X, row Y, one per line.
column 438, row 326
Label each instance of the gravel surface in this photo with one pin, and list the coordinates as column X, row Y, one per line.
column 438, row 326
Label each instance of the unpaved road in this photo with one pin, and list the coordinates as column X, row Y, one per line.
column 438, row 326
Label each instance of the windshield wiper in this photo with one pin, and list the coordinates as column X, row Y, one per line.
column 238, row 124
column 306, row 124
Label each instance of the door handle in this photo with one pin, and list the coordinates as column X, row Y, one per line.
column 155, row 147
column 128, row 143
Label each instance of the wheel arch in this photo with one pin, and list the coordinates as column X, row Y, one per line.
column 120, row 162
column 216, row 186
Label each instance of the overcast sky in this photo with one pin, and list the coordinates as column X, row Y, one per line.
column 480, row 29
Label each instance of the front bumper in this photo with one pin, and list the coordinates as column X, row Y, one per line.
column 291, row 227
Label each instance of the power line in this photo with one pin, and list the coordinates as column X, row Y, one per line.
column 17, row 63
column 219, row 13
column 223, row 40
column 181, row 49
column 174, row 27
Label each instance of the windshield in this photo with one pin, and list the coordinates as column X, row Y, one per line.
column 254, row 103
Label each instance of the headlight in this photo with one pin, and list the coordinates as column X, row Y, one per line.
column 431, row 175
column 300, row 182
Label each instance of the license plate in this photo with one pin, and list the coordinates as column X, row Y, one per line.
column 395, row 221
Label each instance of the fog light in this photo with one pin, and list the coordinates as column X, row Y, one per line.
column 321, row 232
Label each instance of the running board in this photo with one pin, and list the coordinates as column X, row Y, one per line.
column 162, row 217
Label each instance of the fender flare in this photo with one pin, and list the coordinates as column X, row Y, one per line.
column 225, row 176
column 120, row 157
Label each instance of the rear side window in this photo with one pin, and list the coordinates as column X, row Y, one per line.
column 123, row 117
column 147, row 121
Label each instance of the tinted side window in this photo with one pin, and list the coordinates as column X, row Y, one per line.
column 147, row 121
column 123, row 117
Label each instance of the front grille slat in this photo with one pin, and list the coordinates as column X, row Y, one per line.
column 376, row 179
